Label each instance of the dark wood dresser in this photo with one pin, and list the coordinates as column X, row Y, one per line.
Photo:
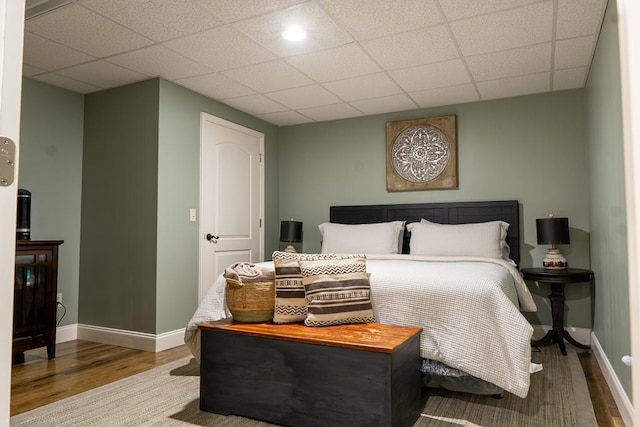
column 35, row 290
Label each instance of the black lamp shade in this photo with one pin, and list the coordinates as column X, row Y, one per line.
column 290, row 231
column 553, row 231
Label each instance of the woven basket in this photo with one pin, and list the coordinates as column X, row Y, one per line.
column 251, row 302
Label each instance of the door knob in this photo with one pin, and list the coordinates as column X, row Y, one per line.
column 211, row 238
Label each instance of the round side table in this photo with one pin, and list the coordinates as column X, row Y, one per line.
column 557, row 280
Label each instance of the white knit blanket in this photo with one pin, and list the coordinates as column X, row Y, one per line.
column 469, row 309
column 247, row 272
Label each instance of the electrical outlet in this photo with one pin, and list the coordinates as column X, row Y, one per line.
column 59, row 297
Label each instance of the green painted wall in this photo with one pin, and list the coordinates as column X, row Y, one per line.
column 532, row 149
column 130, row 258
column 178, row 190
column 119, row 206
column 51, row 168
column 607, row 202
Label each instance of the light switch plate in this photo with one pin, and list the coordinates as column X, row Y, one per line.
column 192, row 215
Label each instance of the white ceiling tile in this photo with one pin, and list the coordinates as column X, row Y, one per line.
column 431, row 76
column 445, row 96
column 159, row 20
column 285, row 118
column 571, row 53
column 255, row 104
column 331, row 112
column 220, row 49
column 157, row 60
column 215, row 85
column 86, row 31
column 322, row 32
column 514, row 86
column 505, row 30
column 459, row 9
column 579, row 17
column 304, row 97
column 29, row 71
column 386, row 104
column 335, row 64
column 409, row 49
column 96, row 44
column 231, row 11
column 378, row 18
column 363, row 87
column 510, row 63
column 269, row 76
column 102, row 74
column 49, row 55
column 67, row 83
column 573, row 78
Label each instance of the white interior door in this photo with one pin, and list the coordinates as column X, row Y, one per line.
column 231, row 197
column 11, row 35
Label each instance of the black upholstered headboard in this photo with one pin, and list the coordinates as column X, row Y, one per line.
column 443, row 213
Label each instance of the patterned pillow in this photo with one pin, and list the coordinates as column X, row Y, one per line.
column 337, row 291
column 290, row 302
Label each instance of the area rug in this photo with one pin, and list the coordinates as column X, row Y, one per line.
column 169, row 396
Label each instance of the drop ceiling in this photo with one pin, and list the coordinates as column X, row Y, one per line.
column 360, row 57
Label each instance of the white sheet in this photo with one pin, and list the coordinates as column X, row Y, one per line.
column 470, row 315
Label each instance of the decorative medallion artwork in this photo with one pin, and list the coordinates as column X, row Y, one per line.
column 422, row 154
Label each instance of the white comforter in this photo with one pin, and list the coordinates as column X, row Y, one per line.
column 469, row 309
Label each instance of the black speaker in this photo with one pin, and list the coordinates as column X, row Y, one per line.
column 23, row 228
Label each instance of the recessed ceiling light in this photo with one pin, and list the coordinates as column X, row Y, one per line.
column 294, row 34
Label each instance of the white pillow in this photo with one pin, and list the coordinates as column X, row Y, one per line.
column 506, row 251
column 484, row 239
column 377, row 238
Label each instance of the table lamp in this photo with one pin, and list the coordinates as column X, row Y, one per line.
column 553, row 231
column 290, row 232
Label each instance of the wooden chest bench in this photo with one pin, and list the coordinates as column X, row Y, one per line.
column 294, row 375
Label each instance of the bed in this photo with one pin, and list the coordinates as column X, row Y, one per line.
column 468, row 301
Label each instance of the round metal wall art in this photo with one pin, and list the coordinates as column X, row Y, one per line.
column 420, row 153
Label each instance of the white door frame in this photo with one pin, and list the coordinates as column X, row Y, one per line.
column 629, row 39
column 11, row 39
column 202, row 289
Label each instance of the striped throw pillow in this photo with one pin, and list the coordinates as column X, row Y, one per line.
column 337, row 291
column 290, row 301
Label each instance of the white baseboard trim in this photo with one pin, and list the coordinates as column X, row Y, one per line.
column 170, row 339
column 582, row 335
column 131, row 339
column 66, row 333
column 619, row 395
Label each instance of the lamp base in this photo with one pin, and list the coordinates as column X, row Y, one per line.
column 554, row 260
column 290, row 248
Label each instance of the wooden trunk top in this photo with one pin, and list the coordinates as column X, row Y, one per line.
column 374, row 337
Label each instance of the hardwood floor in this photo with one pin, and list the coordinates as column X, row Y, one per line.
column 83, row 365
column 79, row 366
column 604, row 406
